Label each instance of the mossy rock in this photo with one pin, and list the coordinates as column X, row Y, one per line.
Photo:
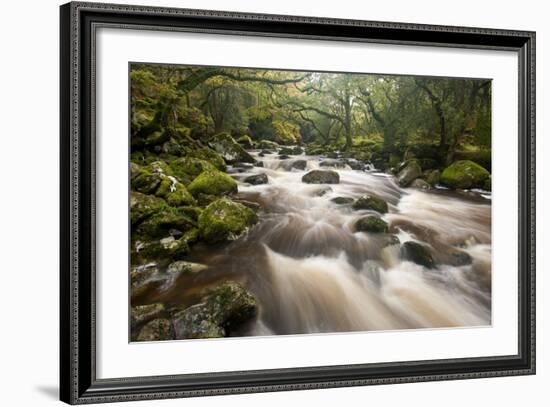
column 186, row 169
column 174, row 192
column 371, row 202
column 142, row 206
column 321, row 177
column 146, row 181
column 185, row 267
column 417, row 253
column 224, row 220
column 267, row 145
column 464, row 174
column 162, row 250
column 315, row 150
column 212, row 182
column 141, row 314
column 371, row 224
column 161, row 222
column 229, row 149
column 432, row 177
column 221, row 311
column 159, row 329
column 245, row 141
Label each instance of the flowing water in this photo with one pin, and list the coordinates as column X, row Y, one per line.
column 312, row 273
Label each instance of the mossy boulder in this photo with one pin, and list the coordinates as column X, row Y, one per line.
column 162, row 222
column 298, row 164
column 464, row 174
column 162, row 250
column 267, row 145
column 417, row 253
column 224, row 220
column 185, row 267
column 212, row 183
column 408, row 172
column 174, row 192
column 245, row 141
column 142, row 206
column 371, row 202
column 371, row 224
column 222, row 310
column 186, row 169
column 432, row 177
column 321, row 177
column 256, row 179
column 229, row 149
column 159, row 329
column 141, row 314
column 146, row 181
column 207, row 154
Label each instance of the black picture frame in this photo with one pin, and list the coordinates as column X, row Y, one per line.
column 78, row 382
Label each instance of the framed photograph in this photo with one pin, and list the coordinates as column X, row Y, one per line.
column 255, row 203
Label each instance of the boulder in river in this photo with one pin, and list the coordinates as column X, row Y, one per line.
column 371, row 224
column 185, row 267
column 267, row 145
column 224, row 220
column 299, row 164
column 370, row 202
column 408, row 172
column 229, row 149
column 256, row 179
column 464, row 174
column 333, row 163
column 222, row 310
column 321, row 177
column 417, row 253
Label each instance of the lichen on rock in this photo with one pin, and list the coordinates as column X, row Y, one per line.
column 225, row 220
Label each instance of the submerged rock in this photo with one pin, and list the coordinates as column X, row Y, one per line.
column 256, row 179
column 464, row 174
column 371, row 202
column 224, row 220
column 222, row 310
column 333, row 163
column 372, row 224
column 408, row 172
column 417, row 253
column 321, row 177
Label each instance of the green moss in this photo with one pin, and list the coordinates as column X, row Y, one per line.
column 372, row 224
column 212, row 182
column 371, row 202
column 160, row 223
column 207, row 154
column 186, row 169
column 464, row 174
column 225, row 220
column 417, row 253
column 245, row 141
column 146, row 181
column 286, row 133
column 174, row 192
column 142, row 206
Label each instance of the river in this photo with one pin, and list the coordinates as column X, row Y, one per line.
column 312, row 273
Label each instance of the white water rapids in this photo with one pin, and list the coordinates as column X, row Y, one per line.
column 312, row 273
